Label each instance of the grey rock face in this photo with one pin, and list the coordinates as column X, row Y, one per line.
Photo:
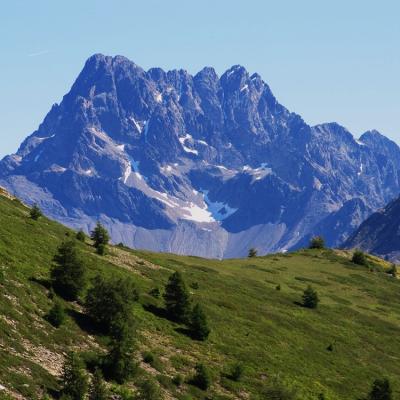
column 380, row 233
column 201, row 165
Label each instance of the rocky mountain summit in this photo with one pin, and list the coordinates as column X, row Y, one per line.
column 201, row 165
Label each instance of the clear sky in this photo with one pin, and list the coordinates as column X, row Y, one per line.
column 327, row 60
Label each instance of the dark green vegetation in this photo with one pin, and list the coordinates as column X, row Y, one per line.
column 381, row 390
column 285, row 350
column 359, row 258
column 100, row 238
column 310, row 298
column 317, row 242
column 35, row 212
column 68, row 272
column 252, row 252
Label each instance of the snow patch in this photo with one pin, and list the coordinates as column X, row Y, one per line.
column 359, row 142
column 195, row 213
column 138, row 127
column 166, row 168
column 183, row 140
column 218, row 210
column 258, row 173
column 37, row 156
column 146, row 129
column 158, row 97
column 245, row 87
column 317, row 184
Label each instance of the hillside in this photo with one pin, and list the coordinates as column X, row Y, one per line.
column 200, row 164
column 251, row 321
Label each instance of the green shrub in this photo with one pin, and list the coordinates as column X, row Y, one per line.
column 176, row 297
column 101, row 249
column 202, row 377
column 165, row 381
column 98, row 390
column 277, row 391
column 35, row 213
column 110, row 299
column 178, row 380
column 56, row 315
column 310, row 298
column 252, row 252
column 236, row 372
column 393, row 271
column 91, row 359
column 80, row 235
column 381, row 390
column 68, row 274
column 99, row 235
column 153, row 360
column 198, row 324
column 74, row 380
column 148, row 390
column 155, row 292
column 119, row 363
column 148, row 357
column 359, row 258
column 317, row 242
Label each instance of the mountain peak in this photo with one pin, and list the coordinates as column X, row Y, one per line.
column 193, row 164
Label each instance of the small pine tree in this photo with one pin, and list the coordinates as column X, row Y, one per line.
column 74, row 379
column 68, row 273
column 120, row 364
column 108, row 300
column 101, row 249
column 155, row 292
column 252, row 253
column 202, row 378
column 278, row 391
column 381, row 390
column 98, row 389
column 35, row 212
column 236, row 372
column 100, row 236
column 317, row 242
column 393, row 271
column 80, row 235
column 198, row 324
column 56, row 315
column 310, row 298
column 176, row 297
column 148, row 390
column 359, row 258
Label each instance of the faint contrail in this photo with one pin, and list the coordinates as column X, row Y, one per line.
column 39, row 53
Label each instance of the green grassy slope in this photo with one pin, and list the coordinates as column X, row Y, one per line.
column 251, row 321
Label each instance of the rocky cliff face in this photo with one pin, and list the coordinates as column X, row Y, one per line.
column 380, row 233
column 202, row 165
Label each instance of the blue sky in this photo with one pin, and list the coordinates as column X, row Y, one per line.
column 326, row 60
